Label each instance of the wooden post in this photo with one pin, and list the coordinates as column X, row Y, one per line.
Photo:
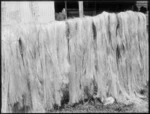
column 95, row 13
column 66, row 8
column 80, row 3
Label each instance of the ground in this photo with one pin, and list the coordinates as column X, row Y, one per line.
column 97, row 107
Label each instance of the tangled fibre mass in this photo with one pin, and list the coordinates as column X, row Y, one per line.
column 108, row 51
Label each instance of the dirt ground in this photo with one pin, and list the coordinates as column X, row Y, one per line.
column 97, row 107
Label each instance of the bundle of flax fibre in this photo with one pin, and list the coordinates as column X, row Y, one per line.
column 108, row 50
column 112, row 63
column 75, row 56
column 102, row 49
column 88, row 60
column 143, row 45
column 13, row 71
column 31, row 55
column 118, row 71
column 39, row 64
column 130, row 62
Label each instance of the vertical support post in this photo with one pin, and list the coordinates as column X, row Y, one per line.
column 80, row 3
column 66, row 8
column 95, row 13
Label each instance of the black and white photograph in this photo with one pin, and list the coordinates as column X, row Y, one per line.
column 75, row 56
